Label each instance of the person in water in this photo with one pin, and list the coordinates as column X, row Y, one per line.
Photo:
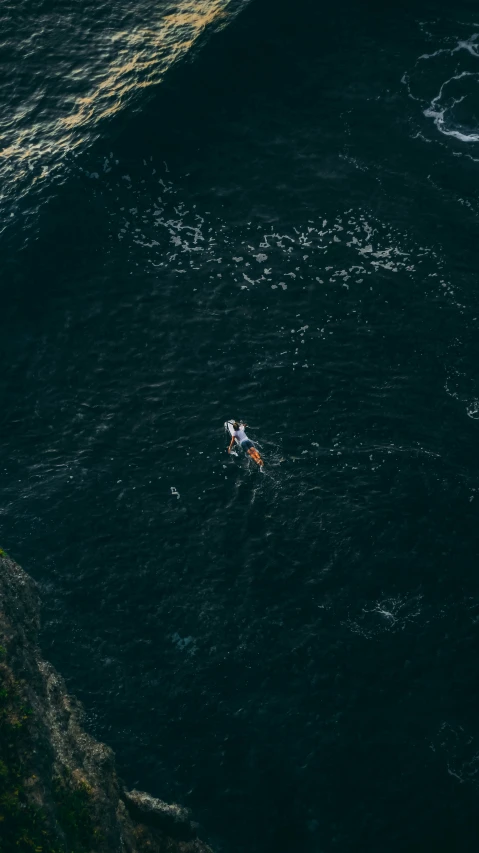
column 238, row 434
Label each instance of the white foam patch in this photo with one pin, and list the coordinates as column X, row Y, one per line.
column 461, row 386
column 209, row 259
column 193, row 241
column 459, row 750
column 452, row 90
column 386, row 616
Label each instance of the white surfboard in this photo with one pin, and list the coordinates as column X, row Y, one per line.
column 229, row 429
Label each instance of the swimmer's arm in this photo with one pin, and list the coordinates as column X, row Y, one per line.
column 231, row 443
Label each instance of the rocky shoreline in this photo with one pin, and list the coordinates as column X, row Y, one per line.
column 59, row 790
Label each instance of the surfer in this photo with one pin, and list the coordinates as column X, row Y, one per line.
column 238, row 434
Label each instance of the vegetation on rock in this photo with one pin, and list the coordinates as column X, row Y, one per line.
column 26, row 825
column 59, row 790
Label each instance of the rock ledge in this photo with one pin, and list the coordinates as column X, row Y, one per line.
column 59, row 790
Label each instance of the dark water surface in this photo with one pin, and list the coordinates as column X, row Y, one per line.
column 278, row 222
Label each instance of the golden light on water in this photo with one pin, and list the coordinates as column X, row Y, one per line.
column 124, row 61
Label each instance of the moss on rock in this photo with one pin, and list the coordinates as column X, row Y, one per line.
column 25, row 825
column 59, row 791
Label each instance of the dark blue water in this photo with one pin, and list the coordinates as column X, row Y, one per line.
column 266, row 211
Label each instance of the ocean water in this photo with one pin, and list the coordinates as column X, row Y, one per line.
column 269, row 211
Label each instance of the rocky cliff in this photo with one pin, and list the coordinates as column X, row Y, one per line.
column 59, row 791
